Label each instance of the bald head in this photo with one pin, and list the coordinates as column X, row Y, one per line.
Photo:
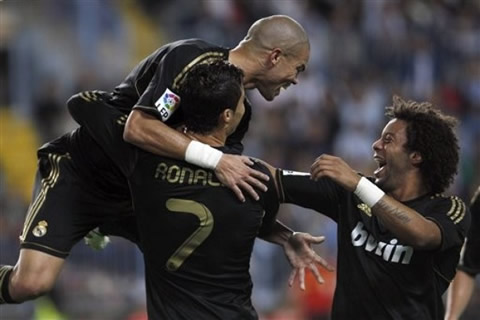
column 277, row 31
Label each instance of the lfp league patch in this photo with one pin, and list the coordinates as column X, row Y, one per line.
column 167, row 104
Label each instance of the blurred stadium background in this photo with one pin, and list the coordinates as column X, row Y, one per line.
column 362, row 53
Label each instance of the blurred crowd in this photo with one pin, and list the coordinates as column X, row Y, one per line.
column 362, row 52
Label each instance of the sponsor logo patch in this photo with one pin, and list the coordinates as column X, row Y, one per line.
column 167, row 104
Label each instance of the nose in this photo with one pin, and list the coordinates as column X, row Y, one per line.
column 377, row 145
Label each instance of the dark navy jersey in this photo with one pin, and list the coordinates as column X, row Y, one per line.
column 164, row 69
column 379, row 277
column 197, row 239
column 470, row 261
column 153, row 85
column 196, row 236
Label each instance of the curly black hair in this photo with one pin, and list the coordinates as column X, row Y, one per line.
column 432, row 134
column 207, row 91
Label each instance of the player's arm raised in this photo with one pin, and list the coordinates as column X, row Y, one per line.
column 405, row 223
column 148, row 133
column 297, row 246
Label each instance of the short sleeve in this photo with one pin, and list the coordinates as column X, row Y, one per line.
column 160, row 98
column 106, row 125
column 453, row 218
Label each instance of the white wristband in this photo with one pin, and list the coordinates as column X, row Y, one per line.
column 368, row 192
column 202, row 155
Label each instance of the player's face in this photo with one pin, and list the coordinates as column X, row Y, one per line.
column 283, row 74
column 391, row 156
column 239, row 112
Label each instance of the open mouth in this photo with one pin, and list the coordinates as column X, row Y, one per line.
column 381, row 165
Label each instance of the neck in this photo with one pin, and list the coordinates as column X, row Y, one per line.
column 215, row 138
column 412, row 188
column 242, row 58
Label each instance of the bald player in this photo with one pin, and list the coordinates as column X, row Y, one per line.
column 274, row 52
column 78, row 185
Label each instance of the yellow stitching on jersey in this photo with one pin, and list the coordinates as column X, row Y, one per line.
column 452, row 208
column 47, row 184
column 84, row 96
column 457, row 209
column 178, row 78
column 92, row 95
column 462, row 215
column 460, row 209
column 46, row 247
column 122, row 120
column 40, row 197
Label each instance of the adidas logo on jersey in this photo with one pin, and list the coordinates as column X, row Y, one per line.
column 391, row 252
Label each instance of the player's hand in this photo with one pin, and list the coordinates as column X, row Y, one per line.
column 235, row 172
column 336, row 169
column 301, row 256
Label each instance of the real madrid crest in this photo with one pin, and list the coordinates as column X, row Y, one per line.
column 41, row 229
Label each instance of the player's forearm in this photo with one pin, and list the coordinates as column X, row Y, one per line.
column 150, row 134
column 279, row 234
column 407, row 224
column 459, row 294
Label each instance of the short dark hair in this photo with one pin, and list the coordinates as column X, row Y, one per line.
column 207, row 91
column 432, row 134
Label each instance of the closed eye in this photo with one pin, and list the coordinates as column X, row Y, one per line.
column 387, row 138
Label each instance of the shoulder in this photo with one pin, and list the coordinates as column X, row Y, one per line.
column 195, row 47
column 451, row 201
column 182, row 55
column 451, row 206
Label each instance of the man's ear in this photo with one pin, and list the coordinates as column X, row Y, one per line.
column 416, row 158
column 227, row 115
column 274, row 56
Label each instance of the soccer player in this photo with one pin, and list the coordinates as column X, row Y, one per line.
column 274, row 52
column 79, row 187
column 195, row 235
column 461, row 289
column 399, row 238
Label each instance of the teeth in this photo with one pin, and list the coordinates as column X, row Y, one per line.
column 378, row 170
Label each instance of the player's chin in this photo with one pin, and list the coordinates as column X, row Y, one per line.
column 268, row 95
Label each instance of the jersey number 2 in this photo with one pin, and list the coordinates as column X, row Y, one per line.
column 197, row 237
